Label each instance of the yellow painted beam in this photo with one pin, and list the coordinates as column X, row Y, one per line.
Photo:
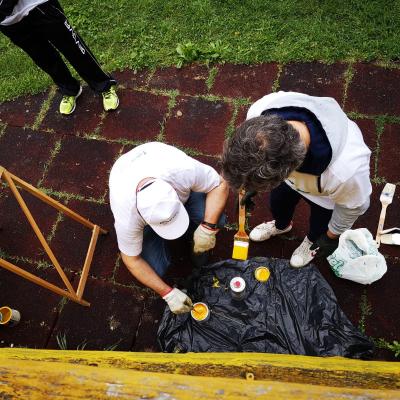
column 329, row 371
column 38, row 380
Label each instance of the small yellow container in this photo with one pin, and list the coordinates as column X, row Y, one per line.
column 200, row 312
column 8, row 316
column 262, row 274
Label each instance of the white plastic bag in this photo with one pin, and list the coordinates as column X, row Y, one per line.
column 357, row 257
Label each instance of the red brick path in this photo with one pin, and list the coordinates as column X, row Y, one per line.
column 194, row 108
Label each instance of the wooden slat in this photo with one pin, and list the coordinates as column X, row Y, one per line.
column 88, row 261
column 39, row 281
column 43, row 380
column 329, row 371
column 47, row 199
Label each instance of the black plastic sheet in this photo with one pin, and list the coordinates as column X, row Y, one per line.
column 294, row 312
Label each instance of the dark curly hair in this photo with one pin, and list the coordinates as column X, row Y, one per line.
column 262, row 153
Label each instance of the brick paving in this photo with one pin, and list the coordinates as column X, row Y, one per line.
column 194, row 108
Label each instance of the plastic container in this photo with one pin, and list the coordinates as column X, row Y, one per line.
column 238, row 288
column 262, row 274
column 9, row 317
column 200, row 312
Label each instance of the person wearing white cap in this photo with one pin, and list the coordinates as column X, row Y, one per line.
column 158, row 193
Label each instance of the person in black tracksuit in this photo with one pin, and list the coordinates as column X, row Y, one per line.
column 42, row 30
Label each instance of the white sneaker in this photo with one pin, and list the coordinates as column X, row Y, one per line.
column 267, row 229
column 303, row 255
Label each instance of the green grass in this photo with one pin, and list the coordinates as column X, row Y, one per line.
column 146, row 33
column 383, row 344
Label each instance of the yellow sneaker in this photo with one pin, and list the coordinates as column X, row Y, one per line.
column 68, row 103
column 110, row 99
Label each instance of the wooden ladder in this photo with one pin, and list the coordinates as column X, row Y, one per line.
column 69, row 292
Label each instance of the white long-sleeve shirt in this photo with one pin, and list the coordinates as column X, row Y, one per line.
column 344, row 186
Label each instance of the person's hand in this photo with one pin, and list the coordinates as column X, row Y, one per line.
column 178, row 302
column 204, row 239
column 247, row 200
column 324, row 246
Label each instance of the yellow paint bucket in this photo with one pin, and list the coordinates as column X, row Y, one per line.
column 8, row 316
column 200, row 312
column 262, row 274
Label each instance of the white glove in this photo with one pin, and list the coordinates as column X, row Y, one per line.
column 204, row 239
column 178, row 302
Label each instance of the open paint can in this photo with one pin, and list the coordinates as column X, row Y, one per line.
column 262, row 274
column 8, row 316
column 200, row 312
column 238, row 288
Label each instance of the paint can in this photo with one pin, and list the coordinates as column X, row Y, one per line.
column 262, row 274
column 200, row 312
column 238, row 288
column 9, row 317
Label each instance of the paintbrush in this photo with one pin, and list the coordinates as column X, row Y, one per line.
column 386, row 199
column 241, row 239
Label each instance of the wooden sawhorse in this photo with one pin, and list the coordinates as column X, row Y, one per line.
column 70, row 293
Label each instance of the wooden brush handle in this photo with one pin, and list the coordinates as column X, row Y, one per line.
column 380, row 224
column 242, row 212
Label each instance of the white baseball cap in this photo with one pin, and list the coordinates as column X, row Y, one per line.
column 159, row 205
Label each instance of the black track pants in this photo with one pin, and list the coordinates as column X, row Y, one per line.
column 283, row 201
column 44, row 31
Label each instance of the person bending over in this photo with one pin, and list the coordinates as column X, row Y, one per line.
column 158, row 194
column 301, row 147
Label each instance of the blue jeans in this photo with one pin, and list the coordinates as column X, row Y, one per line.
column 155, row 249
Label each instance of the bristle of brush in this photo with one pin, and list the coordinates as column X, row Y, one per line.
column 240, row 248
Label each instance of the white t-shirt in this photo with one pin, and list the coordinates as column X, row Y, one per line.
column 155, row 160
column 21, row 10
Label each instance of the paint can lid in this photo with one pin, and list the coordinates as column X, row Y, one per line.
column 237, row 284
column 262, row 274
